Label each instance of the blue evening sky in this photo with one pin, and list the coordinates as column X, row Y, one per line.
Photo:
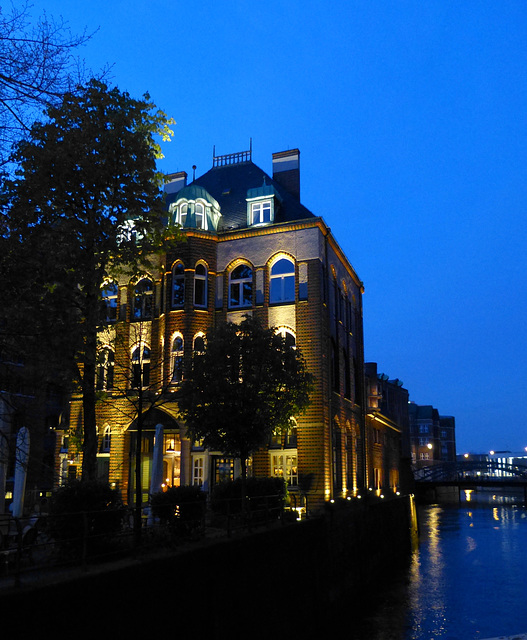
column 410, row 116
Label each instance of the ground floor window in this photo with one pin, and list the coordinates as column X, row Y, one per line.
column 284, row 465
column 223, row 469
column 198, row 468
column 103, row 467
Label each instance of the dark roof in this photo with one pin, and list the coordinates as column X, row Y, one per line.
column 229, row 185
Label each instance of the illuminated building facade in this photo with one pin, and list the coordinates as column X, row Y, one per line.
column 387, row 430
column 251, row 248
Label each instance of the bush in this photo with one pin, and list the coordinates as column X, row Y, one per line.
column 178, row 505
column 82, row 508
column 263, row 493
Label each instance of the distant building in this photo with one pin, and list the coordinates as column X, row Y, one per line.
column 447, row 438
column 432, row 437
column 387, row 428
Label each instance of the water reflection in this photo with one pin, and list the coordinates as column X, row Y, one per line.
column 467, row 579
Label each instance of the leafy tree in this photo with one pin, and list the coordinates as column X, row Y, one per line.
column 247, row 385
column 37, row 66
column 85, row 204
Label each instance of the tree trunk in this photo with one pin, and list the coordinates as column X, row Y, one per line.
column 89, row 447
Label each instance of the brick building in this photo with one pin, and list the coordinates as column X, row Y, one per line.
column 387, row 430
column 250, row 247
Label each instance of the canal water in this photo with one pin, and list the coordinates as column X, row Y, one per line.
column 467, row 580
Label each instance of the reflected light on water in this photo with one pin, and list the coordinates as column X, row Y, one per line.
column 428, row 566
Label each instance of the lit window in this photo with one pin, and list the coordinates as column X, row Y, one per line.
column 140, row 367
column 197, row 472
column 241, row 287
column 282, row 281
column 105, row 367
column 176, row 356
column 143, row 300
column 200, row 286
column 284, row 465
column 109, row 295
column 182, row 215
column 178, row 285
column 199, row 215
column 261, row 212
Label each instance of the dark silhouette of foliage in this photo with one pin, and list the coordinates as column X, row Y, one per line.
column 247, row 385
column 183, row 505
column 88, row 512
column 85, row 204
column 261, row 493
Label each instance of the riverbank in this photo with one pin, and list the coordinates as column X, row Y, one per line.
column 290, row 579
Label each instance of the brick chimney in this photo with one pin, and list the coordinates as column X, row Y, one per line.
column 286, row 171
column 176, row 182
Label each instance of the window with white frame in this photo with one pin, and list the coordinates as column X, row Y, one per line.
column 178, row 286
column 176, row 356
column 241, row 286
column 261, row 212
column 282, row 281
column 200, row 285
column 106, row 440
column 199, row 215
column 140, row 367
column 198, row 468
column 143, row 301
column 181, row 216
column 105, row 369
column 284, row 465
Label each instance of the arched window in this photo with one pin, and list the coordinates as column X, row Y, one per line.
column 182, row 214
column 105, row 367
column 200, row 286
column 106, row 440
column 110, row 293
column 178, row 286
column 282, row 281
column 143, row 300
column 140, row 367
column 241, row 286
column 288, row 336
column 199, row 344
column 199, row 214
column 176, row 357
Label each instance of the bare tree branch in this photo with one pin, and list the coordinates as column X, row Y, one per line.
column 38, row 64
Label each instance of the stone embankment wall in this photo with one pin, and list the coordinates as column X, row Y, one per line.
column 295, row 579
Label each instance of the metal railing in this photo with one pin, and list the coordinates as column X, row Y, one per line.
column 40, row 543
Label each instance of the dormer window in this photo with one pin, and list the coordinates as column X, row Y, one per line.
column 261, row 203
column 200, row 216
column 182, row 217
column 195, row 208
column 261, row 212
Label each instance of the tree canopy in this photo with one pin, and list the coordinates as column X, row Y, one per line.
column 247, row 385
column 37, row 66
column 85, row 203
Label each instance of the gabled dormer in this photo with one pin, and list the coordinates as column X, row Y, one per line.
column 261, row 204
column 195, row 208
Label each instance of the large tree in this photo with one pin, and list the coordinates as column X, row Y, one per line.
column 86, row 202
column 38, row 64
column 247, row 385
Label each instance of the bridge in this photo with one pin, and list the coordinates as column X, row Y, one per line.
column 471, row 474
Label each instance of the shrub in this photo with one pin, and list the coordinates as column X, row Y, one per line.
column 263, row 493
column 82, row 508
column 178, row 505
